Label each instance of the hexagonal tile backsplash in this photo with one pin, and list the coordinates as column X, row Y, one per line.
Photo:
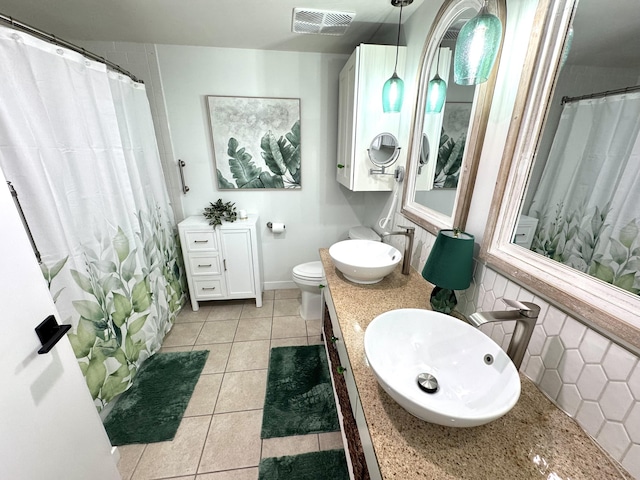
column 592, row 379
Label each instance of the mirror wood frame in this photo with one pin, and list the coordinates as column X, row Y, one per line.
column 427, row 218
column 606, row 309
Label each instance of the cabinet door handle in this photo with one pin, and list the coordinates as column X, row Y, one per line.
column 201, row 241
column 340, row 369
column 224, row 262
column 208, row 288
column 204, row 266
column 334, row 339
column 340, row 165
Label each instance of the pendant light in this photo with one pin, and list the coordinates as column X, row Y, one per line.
column 477, row 48
column 437, row 91
column 393, row 90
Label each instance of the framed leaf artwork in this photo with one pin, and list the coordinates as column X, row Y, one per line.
column 455, row 124
column 256, row 141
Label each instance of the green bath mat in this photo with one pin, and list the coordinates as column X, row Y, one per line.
column 329, row 464
column 151, row 410
column 299, row 398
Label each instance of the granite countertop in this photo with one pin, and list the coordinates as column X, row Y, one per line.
column 534, row 431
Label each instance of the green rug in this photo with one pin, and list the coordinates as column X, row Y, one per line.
column 151, row 410
column 299, row 398
column 329, row 464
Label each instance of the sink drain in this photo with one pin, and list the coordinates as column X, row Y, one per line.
column 488, row 359
column 428, row 383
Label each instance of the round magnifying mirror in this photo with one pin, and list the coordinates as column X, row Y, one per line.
column 424, row 152
column 383, row 150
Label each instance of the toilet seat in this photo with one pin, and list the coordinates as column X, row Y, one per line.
column 310, row 271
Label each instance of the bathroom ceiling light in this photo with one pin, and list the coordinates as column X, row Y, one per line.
column 320, row 22
column 437, row 91
column 393, row 90
column 477, row 48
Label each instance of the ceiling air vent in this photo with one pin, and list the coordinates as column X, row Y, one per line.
column 320, row 22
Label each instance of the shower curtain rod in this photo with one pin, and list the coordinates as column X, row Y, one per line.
column 600, row 94
column 63, row 43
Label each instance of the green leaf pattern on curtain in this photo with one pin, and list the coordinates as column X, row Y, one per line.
column 126, row 293
column 584, row 241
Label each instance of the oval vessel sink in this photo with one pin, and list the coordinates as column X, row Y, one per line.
column 475, row 380
column 364, row 261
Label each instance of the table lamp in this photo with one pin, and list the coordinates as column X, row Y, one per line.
column 449, row 267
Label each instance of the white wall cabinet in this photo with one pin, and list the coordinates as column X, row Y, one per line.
column 360, row 115
column 221, row 263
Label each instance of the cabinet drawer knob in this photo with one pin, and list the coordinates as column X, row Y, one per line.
column 208, row 288
column 334, row 339
column 340, row 165
column 340, row 369
column 204, row 266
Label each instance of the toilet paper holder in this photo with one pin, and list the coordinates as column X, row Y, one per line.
column 270, row 225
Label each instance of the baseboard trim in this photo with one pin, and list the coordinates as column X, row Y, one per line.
column 279, row 285
column 115, row 454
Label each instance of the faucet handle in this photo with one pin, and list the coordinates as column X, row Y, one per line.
column 527, row 309
column 408, row 229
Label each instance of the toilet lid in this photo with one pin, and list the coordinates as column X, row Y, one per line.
column 311, row 270
column 363, row 233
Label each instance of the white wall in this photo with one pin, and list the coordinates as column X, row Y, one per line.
column 587, row 375
column 315, row 216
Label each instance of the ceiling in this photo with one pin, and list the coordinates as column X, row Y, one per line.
column 255, row 24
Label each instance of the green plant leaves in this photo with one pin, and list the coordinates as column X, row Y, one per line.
column 140, row 297
column 629, row 234
column 281, row 156
column 121, row 245
column 89, row 309
column 95, row 376
column 240, row 164
column 123, row 309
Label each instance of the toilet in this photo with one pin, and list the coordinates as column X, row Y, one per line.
column 309, row 276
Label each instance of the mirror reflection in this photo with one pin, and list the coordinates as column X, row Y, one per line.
column 383, row 150
column 445, row 128
column 446, row 137
column 582, row 204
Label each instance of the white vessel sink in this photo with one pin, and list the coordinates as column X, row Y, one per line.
column 476, row 380
column 364, row 261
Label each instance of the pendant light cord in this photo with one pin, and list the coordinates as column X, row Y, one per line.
column 398, row 39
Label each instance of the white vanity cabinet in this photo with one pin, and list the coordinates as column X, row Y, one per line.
column 221, row 263
column 360, row 115
column 525, row 231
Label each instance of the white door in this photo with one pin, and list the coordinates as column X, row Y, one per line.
column 238, row 262
column 49, row 428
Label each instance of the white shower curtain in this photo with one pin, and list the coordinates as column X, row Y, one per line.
column 77, row 143
column 588, row 199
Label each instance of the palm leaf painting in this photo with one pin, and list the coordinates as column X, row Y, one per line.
column 256, row 142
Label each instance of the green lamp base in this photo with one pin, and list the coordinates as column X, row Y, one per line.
column 443, row 300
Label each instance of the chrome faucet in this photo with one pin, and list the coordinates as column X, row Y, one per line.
column 408, row 246
column 525, row 316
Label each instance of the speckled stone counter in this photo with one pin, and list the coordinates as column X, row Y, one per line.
column 535, row 440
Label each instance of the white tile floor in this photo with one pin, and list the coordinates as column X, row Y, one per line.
column 219, row 437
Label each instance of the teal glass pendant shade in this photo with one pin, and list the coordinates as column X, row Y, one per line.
column 477, row 48
column 449, row 267
column 392, row 94
column 436, row 95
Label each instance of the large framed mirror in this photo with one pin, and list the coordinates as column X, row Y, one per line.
column 565, row 218
column 445, row 146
